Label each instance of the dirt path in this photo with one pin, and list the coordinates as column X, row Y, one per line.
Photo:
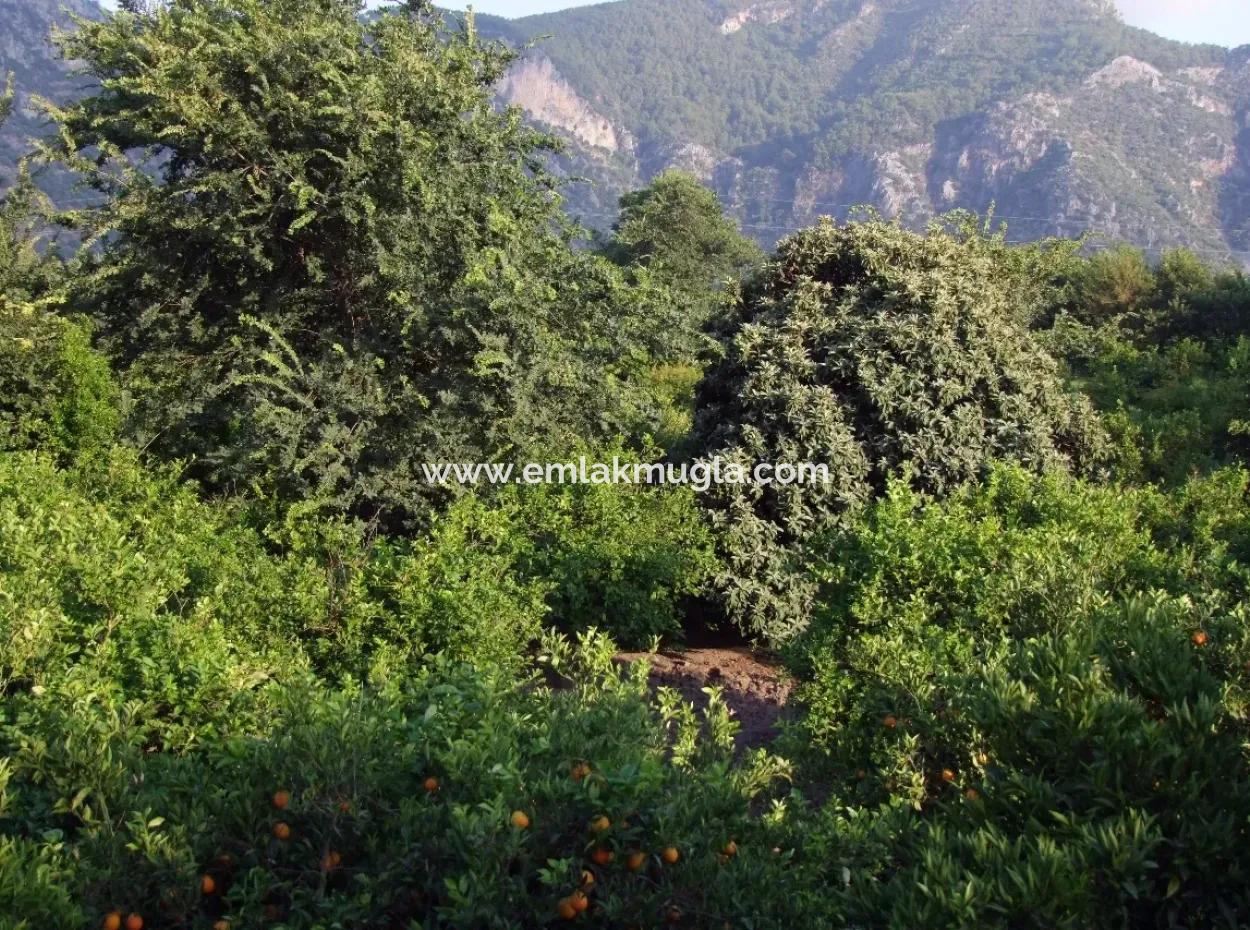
column 754, row 689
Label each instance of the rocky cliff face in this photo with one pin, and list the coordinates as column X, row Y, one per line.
column 1052, row 111
column 1151, row 147
column 536, row 87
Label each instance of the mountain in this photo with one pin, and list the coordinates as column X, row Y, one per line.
column 27, row 53
column 1055, row 111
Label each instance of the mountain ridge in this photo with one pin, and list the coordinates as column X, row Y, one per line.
column 1057, row 112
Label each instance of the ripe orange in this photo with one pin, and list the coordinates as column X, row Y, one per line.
column 208, row 884
column 430, row 785
column 890, row 722
column 588, row 878
column 134, row 922
column 731, row 849
column 520, row 820
column 972, row 794
column 331, row 861
column 282, row 831
column 601, row 855
column 281, row 799
column 345, row 807
column 113, row 921
column 222, row 924
column 636, row 861
column 580, row 771
column 948, row 775
column 600, row 823
column 670, row 855
column 1200, row 638
column 580, row 902
column 565, row 909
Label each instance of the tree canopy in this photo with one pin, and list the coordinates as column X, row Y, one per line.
column 323, row 255
column 877, row 351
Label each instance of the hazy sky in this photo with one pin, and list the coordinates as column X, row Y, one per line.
column 1226, row 22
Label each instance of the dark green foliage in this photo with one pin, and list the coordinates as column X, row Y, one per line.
column 1104, row 744
column 147, row 825
column 617, row 558
column 876, row 351
column 677, row 229
column 1173, row 409
column 55, row 392
column 1114, row 282
column 1021, row 694
column 345, row 262
column 1162, row 352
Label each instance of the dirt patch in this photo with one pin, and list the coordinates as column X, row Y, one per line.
column 754, row 688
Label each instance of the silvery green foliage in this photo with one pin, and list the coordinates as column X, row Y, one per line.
column 877, row 350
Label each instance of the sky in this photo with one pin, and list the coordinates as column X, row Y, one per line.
column 1224, row 22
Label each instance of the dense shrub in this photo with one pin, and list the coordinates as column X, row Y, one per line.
column 621, row 558
column 614, row 557
column 109, row 565
column 106, row 554
column 55, row 392
column 1174, row 407
column 875, row 350
column 1114, row 282
column 372, row 841
column 1030, row 748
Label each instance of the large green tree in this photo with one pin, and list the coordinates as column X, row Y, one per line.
column 876, row 351
column 677, row 228
column 323, row 256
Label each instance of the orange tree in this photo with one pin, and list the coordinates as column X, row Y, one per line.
column 456, row 798
column 1032, row 698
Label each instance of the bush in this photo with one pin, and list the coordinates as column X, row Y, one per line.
column 56, row 392
column 1032, row 742
column 620, row 558
column 876, row 351
column 400, row 809
column 1115, row 282
column 1097, row 777
column 108, row 564
column 1174, row 407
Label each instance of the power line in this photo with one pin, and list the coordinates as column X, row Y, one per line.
column 795, row 227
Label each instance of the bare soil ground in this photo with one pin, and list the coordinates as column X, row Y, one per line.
column 754, row 688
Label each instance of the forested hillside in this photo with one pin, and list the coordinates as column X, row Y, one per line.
column 1067, row 119
column 260, row 669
